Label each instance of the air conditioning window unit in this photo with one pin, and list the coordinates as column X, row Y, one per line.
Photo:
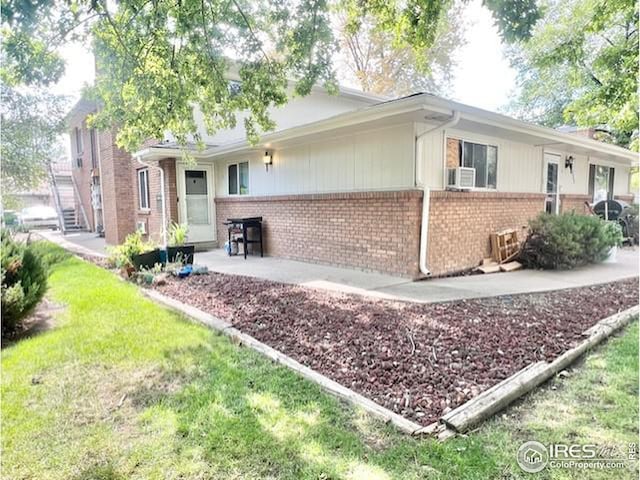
column 141, row 226
column 461, row 178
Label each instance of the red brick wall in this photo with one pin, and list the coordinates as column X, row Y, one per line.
column 82, row 175
column 117, row 190
column 377, row 231
column 460, row 224
column 574, row 203
column 153, row 217
column 625, row 198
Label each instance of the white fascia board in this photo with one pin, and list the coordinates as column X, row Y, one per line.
column 375, row 112
column 554, row 136
column 424, row 102
column 151, row 153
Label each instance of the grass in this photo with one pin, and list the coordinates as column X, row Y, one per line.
column 123, row 388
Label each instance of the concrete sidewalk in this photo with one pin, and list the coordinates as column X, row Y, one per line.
column 425, row 291
column 86, row 243
column 390, row 287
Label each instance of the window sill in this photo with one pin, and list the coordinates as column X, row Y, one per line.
column 144, row 211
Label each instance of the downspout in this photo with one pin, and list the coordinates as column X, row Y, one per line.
column 426, row 197
column 99, row 153
column 162, row 199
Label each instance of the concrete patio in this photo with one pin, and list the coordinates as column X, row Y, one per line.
column 390, row 287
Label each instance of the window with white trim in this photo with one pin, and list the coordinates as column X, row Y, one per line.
column 238, row 178
column 77, row 134
column 484, row 158
column 143, row 189
column 93, row 142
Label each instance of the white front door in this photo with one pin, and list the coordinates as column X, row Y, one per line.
column 552, row 189
column 195, row 201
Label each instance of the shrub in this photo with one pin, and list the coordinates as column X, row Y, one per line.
column 24, row 280
column 122, row 255
column 50, row 253
column 568, row 240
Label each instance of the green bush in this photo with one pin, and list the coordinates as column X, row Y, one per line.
column 121, row 256
column 568, row 240
column 24, row 280
column 50, row 253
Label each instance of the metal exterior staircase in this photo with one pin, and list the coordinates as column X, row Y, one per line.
column 64, row 192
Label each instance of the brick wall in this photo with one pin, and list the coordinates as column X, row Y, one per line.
column 574, row 203
column 625, row 198
column 153, row 217
column 82, row 175
column 453, row 152
column 117, row 190
column 378, row 231
column 460, row 224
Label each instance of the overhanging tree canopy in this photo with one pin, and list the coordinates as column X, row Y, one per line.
column 159, row 58
column 580, row 66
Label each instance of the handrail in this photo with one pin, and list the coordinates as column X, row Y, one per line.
column 56, row 198
column 77, row 193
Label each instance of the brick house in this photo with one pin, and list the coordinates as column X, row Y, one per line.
column 411, row 187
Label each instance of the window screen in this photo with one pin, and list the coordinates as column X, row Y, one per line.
column 143, row 189
column 244, row 177
column 233, row 179
column 484, row 158
column 94, row 147
column 238, row 178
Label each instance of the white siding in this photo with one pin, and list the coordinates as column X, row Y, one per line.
column 621, row 181
column 519, row 164
column 578, row 182
column 316, row 106
column 374, row 160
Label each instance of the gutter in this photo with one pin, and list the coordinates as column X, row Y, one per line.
column 426, row 196
column 162, row 197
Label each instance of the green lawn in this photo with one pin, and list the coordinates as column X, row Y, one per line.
column 122, row 388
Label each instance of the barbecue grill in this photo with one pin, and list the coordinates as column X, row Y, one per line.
column 242, row 225
column 621, row 212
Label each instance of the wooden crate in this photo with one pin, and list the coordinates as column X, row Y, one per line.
column 504, row 245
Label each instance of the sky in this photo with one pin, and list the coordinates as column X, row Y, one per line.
column 483, row 77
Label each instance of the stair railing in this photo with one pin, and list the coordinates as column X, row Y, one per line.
column 82, row 210
column 53, row 185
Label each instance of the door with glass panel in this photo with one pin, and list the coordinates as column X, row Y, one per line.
column 195, row 201
column 552, row 203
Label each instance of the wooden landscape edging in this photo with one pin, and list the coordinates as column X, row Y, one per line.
column 326, row 383
column 499, row 396
column 458, row 420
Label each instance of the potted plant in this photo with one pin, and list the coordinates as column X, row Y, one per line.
column 178, row 251
column 147, row 259
column 134, row 254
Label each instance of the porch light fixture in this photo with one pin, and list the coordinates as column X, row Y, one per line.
column 267, row 159
column 568, row 163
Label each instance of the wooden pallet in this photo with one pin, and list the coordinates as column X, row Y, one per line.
column 504, row 245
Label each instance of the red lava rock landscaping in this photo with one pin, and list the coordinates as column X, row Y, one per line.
column 417, row 360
